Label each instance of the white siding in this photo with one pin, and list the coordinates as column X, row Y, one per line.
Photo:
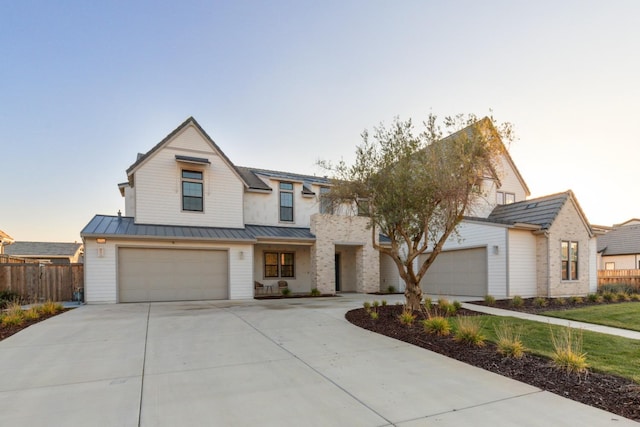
column 389, row 274
column 158, row 185
column 129, row 201
column 101, row 271
column 522, row 263
column 474, row 234
column 264, row 208
column 509, row 183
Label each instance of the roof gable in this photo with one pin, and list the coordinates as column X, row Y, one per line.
column 541, row 211
column 190, row 123
column 43, row 249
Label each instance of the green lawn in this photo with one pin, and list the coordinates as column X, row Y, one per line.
column 624, row 315
column 605, row 353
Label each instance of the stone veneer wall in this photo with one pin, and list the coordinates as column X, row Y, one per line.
column 332, row 230
column 568, row 226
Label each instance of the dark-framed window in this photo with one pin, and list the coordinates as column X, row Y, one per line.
column 279, row 264
column 363, row 206
column 286, row 201
column 326, row 205
column 192, row 191
column 504, row 198
column 569, row 254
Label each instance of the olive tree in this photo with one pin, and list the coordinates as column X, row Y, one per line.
column 415, row 188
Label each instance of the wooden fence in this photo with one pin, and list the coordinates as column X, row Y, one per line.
column 626, row 277
column 37, row 283
column 8, row 259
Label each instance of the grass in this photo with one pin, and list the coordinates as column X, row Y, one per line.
column 606, row 353
column 623, row 315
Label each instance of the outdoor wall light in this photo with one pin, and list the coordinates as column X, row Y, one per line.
column 241, row 254
column 101, row 240
column 496, row 249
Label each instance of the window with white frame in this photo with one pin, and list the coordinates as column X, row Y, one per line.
column 504, row 198
column 192, row 191
column 569, row 254
column 286, row 201
column 279, row 264
column 609, row 265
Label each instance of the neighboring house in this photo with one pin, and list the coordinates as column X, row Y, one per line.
column 196, row 226
column 48, row 252
column 619, row 248
column 5, row 240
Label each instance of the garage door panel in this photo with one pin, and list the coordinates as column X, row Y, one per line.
column 460, row 272
column 172, row 274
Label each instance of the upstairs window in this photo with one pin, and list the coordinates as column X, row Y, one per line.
column 569, row 260
column 286, row 202
column 363, row 206
column 326, row 206
column 504, row 198
column 192, row 186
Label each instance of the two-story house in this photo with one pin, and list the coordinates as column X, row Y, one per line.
column 198, row 227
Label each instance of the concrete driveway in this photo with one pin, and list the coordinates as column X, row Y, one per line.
column 282, row 362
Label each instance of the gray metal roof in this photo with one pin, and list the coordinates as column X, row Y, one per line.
column 43, row 249
column 541, row 211
column 620, row 241
column 116, row 226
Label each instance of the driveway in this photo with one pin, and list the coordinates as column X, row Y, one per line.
column 271, row 363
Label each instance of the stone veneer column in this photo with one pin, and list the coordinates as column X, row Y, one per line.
column 345, row 230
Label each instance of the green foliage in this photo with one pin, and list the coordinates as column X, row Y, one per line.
column 635, row 297
column 617, row 288
column 540, row 302
column 457, row 305
column 428, row 304
column 315, row 292
column 407, row 317
column 286, row 292
column 32, row 313
column 594, row 298
column 383, row 302
column 469, row 330
column 567, row 351
column 623, row 296
column 7, row 297
column 560, row 301
column 609, row 296
column 50, row 307
column 490, row 300
column 376, row 304
column 437, row 325
column 14, row 315
column 517, row 301
column 366, row 305
column 508, row 342
column 374, row 314
column 391, row 290
column 576, row 300
column 416, row 186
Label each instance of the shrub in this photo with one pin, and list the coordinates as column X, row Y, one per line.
column 391, row 290
column 635, row 297
column 517, row 301
column 594, row 298
column 623, row 296
column 14, row 315
column 437, row 325
column 567, row 351
column 509, row 343
column 32, row 314
column 376, row 304
column 7, row 297
column 560, row 301
column 366, row 305
column 609, row 296
column 617, row 288
column 50, row 307
column 540, row 302
column 407, row 317
column 468, row 330
column 457, row 305
column 374, row 315
column 428, row 304
column 576, row 300
column 490, row 300
column 383, row 302
column 315, row 292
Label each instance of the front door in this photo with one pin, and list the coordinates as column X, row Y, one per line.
column 337, row 272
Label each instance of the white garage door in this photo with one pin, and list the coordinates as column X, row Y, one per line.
column 462, row 272
column 172, row 274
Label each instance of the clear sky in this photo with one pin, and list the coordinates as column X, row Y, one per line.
column 85, row 86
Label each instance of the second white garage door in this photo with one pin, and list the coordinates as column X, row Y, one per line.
column 462, row 272
column 172, row 274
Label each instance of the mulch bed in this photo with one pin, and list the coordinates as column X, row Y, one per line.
column 7, row 331
column 611, row 393
column 552, row 304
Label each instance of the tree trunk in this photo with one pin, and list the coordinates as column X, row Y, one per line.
column 413, row 295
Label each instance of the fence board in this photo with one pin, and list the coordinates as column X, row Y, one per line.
column 35, row 282
column 626, row 277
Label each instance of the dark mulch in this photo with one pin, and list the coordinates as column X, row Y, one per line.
column 611, row 393
column 552, row 304
column 7, row 331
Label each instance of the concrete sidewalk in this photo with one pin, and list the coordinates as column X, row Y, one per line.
column 272, row 363
column 625, row 333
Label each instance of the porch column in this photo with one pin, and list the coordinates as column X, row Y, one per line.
column 368, row 269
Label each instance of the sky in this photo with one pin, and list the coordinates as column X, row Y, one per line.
column 85, row 86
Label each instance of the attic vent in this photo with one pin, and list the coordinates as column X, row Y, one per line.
column 531, row 205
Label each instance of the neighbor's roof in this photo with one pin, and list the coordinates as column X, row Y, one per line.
column 541, row 211
column 115, row 226
column 250, row 175
column 48, row 249
column 620, row 241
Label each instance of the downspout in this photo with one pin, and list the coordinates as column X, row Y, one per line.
column 546, row 235
column 508, row 267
